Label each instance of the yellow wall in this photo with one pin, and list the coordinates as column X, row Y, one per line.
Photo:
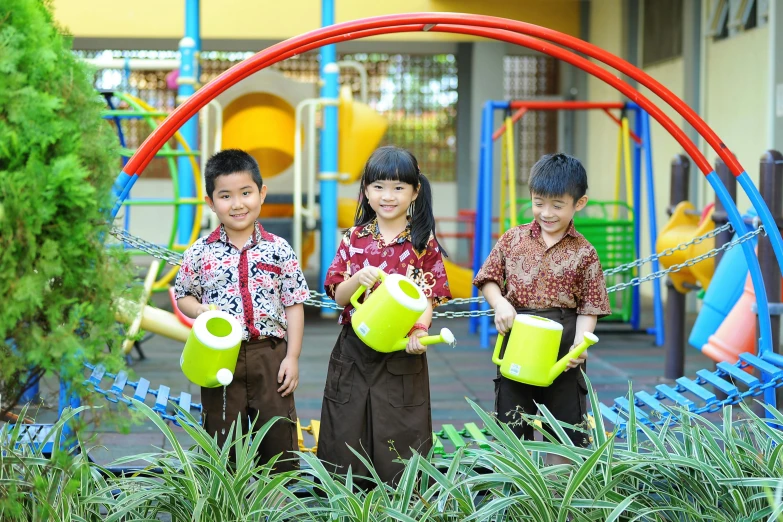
column 737, row 101
column 276, row 20
column 605, row 32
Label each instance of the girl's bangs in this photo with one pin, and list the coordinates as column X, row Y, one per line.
column 391, row 165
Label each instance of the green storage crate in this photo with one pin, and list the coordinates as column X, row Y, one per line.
column 613, row 240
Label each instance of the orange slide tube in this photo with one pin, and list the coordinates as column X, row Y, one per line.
column 737, row 333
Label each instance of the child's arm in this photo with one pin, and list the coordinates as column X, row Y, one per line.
column 504, row 312
column 288, row 375
column 414, row 346
column 584, row 324
column 191, row 306
column 367, row 277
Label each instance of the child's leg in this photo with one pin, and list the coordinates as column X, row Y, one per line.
column 511, row 399
column 265, row 402
column 215, row 422
column 344, row 411
column 566, row 398
column 400, row 412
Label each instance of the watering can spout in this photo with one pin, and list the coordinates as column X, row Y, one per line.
column 560, row 366
column 224, row 376
column 445, row 336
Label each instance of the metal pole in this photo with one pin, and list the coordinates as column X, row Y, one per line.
column 328, row 164
column 719, row 216
column 189, row 48
column 674, row 345
column 771, row 189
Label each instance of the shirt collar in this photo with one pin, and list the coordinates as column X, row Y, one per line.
column 258, row 234
column 535, row 230
column 372, row 228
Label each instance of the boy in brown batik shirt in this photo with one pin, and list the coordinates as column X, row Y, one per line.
column 547, row 268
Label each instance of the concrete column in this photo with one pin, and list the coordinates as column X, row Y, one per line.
column 480, row 78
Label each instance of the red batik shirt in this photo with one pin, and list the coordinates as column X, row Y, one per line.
column 364, row 246
column 254, row 284
column 531, row 275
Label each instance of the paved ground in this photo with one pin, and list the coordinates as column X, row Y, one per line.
column 464, row 371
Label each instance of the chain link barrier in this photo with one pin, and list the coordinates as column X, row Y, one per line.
column 321, row 300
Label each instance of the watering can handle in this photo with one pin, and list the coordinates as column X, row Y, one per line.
column 496, row 354
column 359, row 291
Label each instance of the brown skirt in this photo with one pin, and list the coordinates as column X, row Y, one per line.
column 378, row 404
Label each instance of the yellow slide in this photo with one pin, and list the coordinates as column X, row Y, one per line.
column 153, row 320
column 460, row 279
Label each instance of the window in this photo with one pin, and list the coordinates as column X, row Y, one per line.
column 662, row 28
column 727, row 18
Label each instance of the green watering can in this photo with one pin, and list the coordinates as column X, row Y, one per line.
column 210, row 354
column 531, row 352
column 383, row 321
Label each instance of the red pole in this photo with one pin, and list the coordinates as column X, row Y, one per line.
column 487, row 26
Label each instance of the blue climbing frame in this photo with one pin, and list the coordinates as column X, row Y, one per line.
column 485, row 208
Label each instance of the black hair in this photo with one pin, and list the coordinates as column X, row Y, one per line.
column 391, row 163
column 556, row 175
column 231, row 161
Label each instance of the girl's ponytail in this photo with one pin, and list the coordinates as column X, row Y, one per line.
column 423, row 217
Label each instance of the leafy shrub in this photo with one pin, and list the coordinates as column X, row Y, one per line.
column 57, row 165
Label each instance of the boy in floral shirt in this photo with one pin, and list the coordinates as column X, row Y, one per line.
column 254, row 276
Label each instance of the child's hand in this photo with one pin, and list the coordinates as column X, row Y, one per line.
column 414, row 345
column 204, row 308
column 504, row 316
column 573, row 363
column 368, row 275
column 288, row 376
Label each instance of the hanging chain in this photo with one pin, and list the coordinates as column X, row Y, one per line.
column 321, row 300
column 668, row 251
column 698, row 259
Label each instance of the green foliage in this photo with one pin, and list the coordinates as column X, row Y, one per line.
column 691, row 471
column 57, row 166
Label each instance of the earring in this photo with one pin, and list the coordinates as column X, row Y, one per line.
column 411, row 209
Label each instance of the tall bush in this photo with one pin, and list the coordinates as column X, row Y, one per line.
column 57, row 165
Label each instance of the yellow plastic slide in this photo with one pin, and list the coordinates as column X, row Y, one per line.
column 460, row 279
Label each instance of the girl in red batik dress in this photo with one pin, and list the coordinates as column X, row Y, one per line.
column 379, row 403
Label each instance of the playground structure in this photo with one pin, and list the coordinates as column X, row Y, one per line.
column 526, row 35
column 608, row 234
column 769, row 364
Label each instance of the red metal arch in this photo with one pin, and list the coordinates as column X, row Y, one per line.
column 485, row 26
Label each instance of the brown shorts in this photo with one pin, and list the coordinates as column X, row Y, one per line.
column 253, row 397
column 565, row 398
column 377, row 403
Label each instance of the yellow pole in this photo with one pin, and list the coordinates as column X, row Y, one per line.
column 512, row 171
column 627, row 156
column 618, row 169
column 503, row 167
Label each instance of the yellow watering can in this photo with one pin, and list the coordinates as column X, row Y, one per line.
column 531, row 352
column 210, row 354
column 383, row 321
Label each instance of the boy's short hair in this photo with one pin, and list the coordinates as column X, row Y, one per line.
column 558, row 174
column 231, row 161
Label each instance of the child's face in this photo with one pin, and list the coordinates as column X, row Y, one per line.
column 237, row 201
column 390, row 199
column 554, row 214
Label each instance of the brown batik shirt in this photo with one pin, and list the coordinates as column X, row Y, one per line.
column 531, row 275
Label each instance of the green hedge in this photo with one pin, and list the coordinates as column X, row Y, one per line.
column 57, row 165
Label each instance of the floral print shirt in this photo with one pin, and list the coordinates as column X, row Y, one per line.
column 531, row 275
column 254, row 284
column 364, row 246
